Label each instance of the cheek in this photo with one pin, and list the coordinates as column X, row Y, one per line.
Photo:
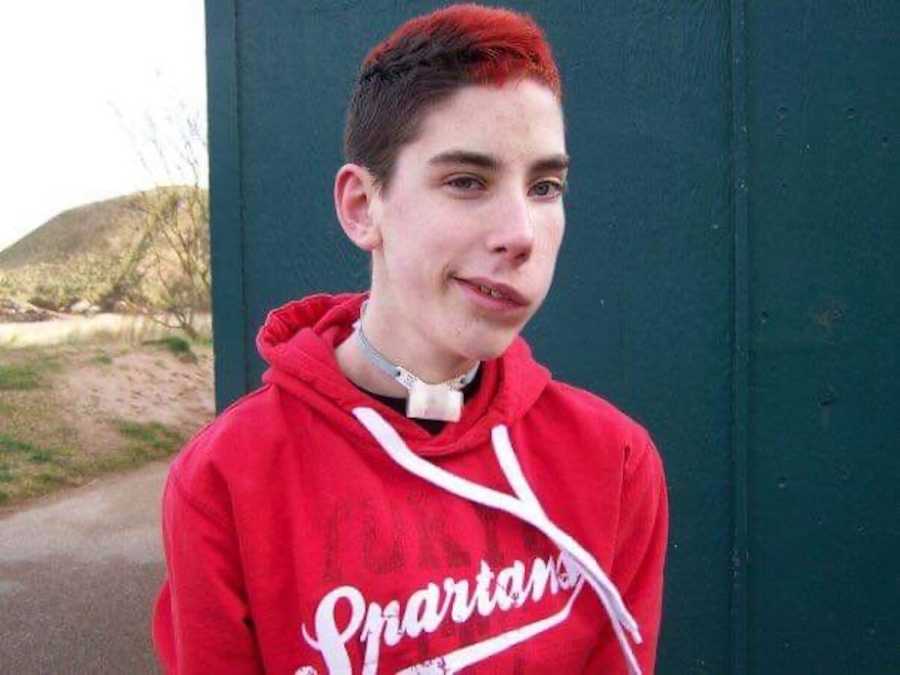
column 426, row 233
column 413, row 244
column 549, row 242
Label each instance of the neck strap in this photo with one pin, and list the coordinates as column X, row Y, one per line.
column 399, row 373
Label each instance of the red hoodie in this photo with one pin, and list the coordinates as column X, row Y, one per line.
column 313, row 529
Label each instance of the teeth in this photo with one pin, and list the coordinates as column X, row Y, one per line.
column 487, row 290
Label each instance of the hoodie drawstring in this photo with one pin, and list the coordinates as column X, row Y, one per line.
column 526, row 508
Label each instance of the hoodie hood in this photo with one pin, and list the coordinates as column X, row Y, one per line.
column 298, row 340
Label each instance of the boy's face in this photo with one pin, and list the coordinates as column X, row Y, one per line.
column 477, row 196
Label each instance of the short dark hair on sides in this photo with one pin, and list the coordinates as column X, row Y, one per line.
column 426, row 60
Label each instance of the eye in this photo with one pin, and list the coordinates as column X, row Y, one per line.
column 546, row 188
column 465, row 183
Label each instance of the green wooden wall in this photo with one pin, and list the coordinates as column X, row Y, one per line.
column 729, row 277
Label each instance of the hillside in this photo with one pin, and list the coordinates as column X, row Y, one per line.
column 95, row 228
column 102, row 254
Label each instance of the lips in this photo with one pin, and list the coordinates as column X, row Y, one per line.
column 508, row 292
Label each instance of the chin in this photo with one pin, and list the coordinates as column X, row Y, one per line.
column 490, row 348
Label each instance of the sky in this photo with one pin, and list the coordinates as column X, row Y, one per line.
column 84, row 85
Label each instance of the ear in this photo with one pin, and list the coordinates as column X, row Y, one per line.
column 354, row 202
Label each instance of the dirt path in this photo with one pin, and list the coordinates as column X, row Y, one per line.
column 146, row 384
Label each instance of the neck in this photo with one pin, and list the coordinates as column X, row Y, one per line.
column 401, row 346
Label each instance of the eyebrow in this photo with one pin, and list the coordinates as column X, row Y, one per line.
column 482, row 161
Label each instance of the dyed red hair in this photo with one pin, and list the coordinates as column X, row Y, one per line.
column 425, row 61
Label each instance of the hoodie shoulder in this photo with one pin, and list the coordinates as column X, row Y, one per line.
column 589, row 410
column 206, row 465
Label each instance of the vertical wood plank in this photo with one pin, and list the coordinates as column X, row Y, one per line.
column 226, row 201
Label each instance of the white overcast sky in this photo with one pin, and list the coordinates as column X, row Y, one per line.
column 66, row 68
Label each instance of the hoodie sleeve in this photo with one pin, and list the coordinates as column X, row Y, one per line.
column 637, row 569
column 201, row 621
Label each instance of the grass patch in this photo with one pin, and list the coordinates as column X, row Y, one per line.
column 102, row 358
column 27, row 370
column 175, row 344
column 49, row 480
column 19, row 377
column 41, row 456
column 152, row 434
column 9, row 444
column 26, row 453
column 179, row 346
column 149, row 440
column 28, row 471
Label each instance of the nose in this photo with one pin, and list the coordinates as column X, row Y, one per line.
column 512, row 235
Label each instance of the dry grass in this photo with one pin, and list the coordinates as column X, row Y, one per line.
column 121, row 328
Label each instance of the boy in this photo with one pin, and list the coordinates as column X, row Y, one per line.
column 409, row 491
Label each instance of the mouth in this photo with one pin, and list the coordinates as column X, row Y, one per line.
column 501, row 294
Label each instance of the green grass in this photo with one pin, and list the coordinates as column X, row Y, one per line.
column 102, row 358
column 179, row 346
column 41, row 456
column 28, row 471
column 175, row 344
column 11, row 447
column 49, row 480
column 147, row 440
column 19, row 377
column 29, row 374
column 152, row 434
column 9, row 444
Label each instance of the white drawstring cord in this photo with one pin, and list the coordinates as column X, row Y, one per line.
column 605, row 589
column 526, row 508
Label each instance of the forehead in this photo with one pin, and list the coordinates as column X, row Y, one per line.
column 515, row 122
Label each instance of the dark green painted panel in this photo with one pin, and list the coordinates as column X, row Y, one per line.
column 825, row 133
column 641, row 306
column 227, row 226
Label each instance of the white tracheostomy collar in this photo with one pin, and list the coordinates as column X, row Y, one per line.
column 524, row 506
column 441, row 401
